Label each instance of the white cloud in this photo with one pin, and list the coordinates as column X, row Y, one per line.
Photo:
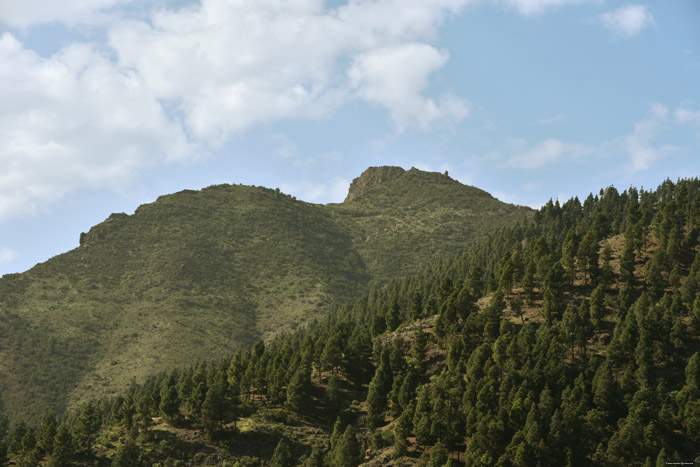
column 71, row 121
column 232, row 65
column 7, row 255
column 640, row 143
column 537, row 7
column 627, row 21
column 395, row 77
column 687, row 117
column 90, row 116
column 23, row 13
column 546, row 152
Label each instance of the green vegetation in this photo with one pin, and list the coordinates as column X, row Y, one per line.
column 598, row 362
column 200, row 274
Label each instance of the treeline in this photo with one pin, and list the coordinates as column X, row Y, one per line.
column 569, row 341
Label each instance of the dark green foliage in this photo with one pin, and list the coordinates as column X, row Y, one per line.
column 347, row 452
column 297, row 391
column 47, row 433
column 333, row 392
column 282, row 456
column 554, row 284
column 316, row 458
column 376, row 403
column 170, row 404
column 86, row 429
column 438, row 455
column 402, row 429
column 18, row 432
column 63, row 448
column 590, row 371
column 127, row 455
column 214, row 408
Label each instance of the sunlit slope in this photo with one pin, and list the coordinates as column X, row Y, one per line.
column 198, row 274
column 401, row 219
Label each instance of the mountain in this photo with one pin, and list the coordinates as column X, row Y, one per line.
column 200, row 274
column 582, row 348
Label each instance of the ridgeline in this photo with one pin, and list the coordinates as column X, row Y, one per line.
column 197, row 275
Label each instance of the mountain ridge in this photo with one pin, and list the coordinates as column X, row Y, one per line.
column 213, row 270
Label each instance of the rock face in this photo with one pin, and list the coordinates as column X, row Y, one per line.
column 371, row 177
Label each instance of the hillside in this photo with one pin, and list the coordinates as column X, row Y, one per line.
column 573, row 340
column 200, row 274
column 401, row 220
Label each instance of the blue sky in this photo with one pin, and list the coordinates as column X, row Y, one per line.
column 107, row 104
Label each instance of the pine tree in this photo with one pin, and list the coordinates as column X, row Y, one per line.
column 416, row 311
column 347, row 452
column 337, row 433
column 62, row 451
column 554, row 292
column 333, row 392
column 47, row 433
column 438, row 455
column 569, row 255
column 421, row 417
column 393, row 316
column 88, row 425
column 332, row 352
column 170, row 404
column 402, row 429
column 214, row 408
column 376, row 404
column 127, row 455
column 627, row 263
column 419, row 349
column 282, row 456
column 18, row 432
column 316, row 458
column 516, row 306
column 597, row 306
column 297, row 391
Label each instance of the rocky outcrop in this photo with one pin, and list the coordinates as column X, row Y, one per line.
column 370, row 178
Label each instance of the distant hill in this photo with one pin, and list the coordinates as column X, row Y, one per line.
column 199, row 274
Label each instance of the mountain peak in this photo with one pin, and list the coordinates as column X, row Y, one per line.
column 371, row 177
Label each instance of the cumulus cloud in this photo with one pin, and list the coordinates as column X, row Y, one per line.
column 73, row 120
column 23, row 13
column 627, row 21
column 687, row 117
column 537, row 7
column 197, row 76
column 395, row 77
column 232, row 65
column 640, row 143
column 7, row 255
column 546, row 152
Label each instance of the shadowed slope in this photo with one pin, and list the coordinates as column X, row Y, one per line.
column 198, row 274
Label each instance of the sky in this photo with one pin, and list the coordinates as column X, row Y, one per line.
column 107, row 104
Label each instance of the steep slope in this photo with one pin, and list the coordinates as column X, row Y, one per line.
column 400, row 220
column 575, row 356
column 198, row 274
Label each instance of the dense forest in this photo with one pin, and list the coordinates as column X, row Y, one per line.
column 569, row 340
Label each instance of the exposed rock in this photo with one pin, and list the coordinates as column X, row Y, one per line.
column 372, row 177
